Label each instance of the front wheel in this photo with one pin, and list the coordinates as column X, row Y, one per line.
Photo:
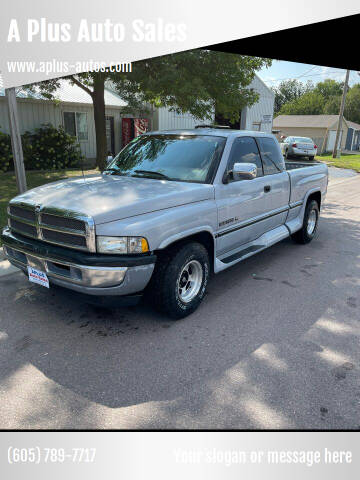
column 179, row 285
column 310, row 224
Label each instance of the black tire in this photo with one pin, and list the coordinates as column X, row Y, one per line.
column 286, row 155
column 311, row 158
column 305, row 235
column 164, row 289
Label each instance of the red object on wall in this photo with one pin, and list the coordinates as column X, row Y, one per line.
column 140, row 126
column 127, row 131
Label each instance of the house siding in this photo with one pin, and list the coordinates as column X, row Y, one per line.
column 34, row 113
column 168, row 120
column 263, row 108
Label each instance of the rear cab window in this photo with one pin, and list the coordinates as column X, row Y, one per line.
column 273, row 160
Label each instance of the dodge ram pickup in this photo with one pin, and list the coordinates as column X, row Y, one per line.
column 169, row 210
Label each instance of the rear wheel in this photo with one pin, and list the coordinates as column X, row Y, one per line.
column 310, row 224
column 311, row 158
column 179, row 281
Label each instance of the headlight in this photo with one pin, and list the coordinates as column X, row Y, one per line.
column 122, row 245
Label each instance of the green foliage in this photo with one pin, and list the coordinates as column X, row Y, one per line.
column 294, row 98
column 288, row 91
column 352, row 105
column 332, row 105
column 47, row 148
column 195, row 82
column 198, row 82
column 5, row 152
column 311, row 103
column 329, row 88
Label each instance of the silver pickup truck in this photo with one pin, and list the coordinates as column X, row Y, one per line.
column 172, row 207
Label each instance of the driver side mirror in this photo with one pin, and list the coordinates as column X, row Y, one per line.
column 242, row 171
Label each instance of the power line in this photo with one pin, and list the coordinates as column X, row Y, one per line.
column 301, row 76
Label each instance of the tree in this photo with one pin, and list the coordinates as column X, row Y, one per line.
column 198, row 82
column 288, row 91
column 329, row 88
column 332, row 105
column 352, row 105
column 311, row 103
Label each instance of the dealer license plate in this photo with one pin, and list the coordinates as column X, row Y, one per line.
column 39, row 277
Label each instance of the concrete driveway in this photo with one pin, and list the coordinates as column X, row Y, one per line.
column 274, row 345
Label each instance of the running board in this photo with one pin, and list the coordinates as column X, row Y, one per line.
column 249, row 249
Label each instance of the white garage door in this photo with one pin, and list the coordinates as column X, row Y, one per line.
column 331, row 140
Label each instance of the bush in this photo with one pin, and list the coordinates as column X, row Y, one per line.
column 6, row 162
column 47, row 148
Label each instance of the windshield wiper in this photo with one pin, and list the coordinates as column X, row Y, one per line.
column 152, row 172
column 114, row 171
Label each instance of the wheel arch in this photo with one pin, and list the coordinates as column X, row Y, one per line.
column 315, row 196
column 205, row 237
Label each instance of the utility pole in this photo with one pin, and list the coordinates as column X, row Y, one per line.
column 341, row 114
column 16, row 140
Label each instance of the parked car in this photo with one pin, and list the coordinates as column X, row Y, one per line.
column 298, row 147
column 170, row 209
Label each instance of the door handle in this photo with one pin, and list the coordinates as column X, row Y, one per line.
column 267, row 188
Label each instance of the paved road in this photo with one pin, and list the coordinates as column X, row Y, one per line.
column 275, row 345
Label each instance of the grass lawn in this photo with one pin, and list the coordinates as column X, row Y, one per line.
column 8, row 188
column 345, row 161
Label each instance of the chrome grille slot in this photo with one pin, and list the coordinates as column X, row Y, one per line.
column 62, row 222
column 24, row 228
column 22, row 213
column 62, row 238
column 53, row 225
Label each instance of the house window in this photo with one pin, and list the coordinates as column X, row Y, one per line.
column 75, row 124
column 256, row 126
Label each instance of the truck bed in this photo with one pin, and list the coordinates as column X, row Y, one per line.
column 294, row 165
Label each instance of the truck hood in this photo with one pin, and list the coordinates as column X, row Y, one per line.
column 109, row 197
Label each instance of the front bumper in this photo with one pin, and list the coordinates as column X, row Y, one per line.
column 94, row 274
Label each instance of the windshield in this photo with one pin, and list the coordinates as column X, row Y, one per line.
column 303, row 140
column 186, row 158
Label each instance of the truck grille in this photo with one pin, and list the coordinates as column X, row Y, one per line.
column 58, row 226
column 23, row 228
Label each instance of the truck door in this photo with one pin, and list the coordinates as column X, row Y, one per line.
column 277, row 181
column 243, row 205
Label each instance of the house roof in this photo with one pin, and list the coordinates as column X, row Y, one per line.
column 72, row 94
column 353, row 125
column 315, row 121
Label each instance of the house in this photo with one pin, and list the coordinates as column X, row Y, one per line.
column 259, row 116
column 321, row 128
column 353, row 136
column 73, row 109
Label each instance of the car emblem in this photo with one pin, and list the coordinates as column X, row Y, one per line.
column 37, row 208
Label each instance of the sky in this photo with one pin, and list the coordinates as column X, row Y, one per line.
column 281, row 70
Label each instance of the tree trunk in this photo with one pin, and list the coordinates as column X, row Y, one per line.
column 100, row 123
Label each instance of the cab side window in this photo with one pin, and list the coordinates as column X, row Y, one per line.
column 272, row 157
column 245, row 150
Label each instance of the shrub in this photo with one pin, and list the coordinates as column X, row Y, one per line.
column 50, row 148
column 47, row 148
column 6, row 162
